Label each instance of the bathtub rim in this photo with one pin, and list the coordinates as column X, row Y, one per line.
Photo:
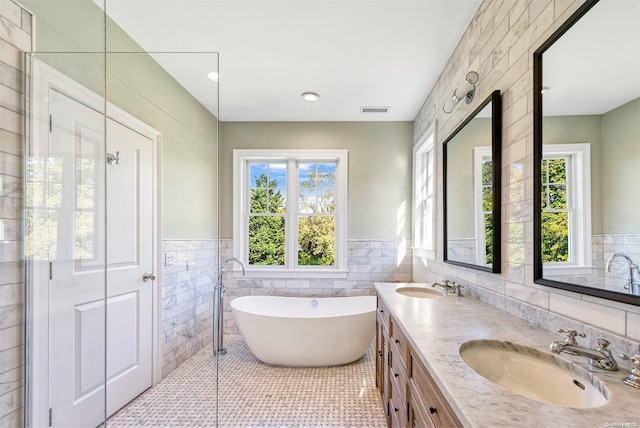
column 273, row 313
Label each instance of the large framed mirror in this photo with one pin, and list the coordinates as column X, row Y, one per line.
column 587, row 153
column 472, row 159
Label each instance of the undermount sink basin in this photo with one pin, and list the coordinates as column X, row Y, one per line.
column 421, row 292
column 534, row 374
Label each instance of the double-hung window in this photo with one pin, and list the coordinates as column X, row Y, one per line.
column 424, row 196
column 483, row 204
column 290, row 212
column 566, row 208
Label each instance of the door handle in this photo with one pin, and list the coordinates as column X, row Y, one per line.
column 148, row 276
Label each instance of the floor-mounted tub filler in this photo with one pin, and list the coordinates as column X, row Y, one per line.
column 306, row 332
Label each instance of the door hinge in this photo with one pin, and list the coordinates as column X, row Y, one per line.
column 50, row 417
column 50, row 123
column 50, row 270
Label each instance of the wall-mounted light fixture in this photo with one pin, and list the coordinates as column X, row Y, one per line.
column 466, row 92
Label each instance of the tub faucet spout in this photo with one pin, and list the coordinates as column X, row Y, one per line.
column 631, row 285
column 224, row 263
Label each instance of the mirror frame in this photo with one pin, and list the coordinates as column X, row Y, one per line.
column 537, row 176
column 496, row 173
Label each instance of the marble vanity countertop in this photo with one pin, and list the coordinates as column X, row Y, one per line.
column 437, row 327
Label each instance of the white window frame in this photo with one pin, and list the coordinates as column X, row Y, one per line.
column 480, row 154
column 241, row 183
column 579, row 206
column 424, row 189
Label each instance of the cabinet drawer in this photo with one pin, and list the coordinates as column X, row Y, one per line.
column 422, row 387
column 398, row 379
column 398, row 341
column 383, row 315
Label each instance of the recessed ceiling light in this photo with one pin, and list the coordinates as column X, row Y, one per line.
column 310, row 96
column 213, row 75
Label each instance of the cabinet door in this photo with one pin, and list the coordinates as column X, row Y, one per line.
column 436, row 406
column 417, row 411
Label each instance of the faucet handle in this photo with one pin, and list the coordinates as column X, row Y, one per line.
column 571, row 336
column 634, row 377
column 602, row 344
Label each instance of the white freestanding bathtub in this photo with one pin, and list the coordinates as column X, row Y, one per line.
column 306, row 332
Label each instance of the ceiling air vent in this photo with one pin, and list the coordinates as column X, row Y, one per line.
column 375, row 109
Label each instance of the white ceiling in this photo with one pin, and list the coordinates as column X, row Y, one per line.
column 595, row 66
column 352, row 53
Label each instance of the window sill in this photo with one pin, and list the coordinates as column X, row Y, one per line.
column 290, row 274
column 567, row 270
column 424, row 253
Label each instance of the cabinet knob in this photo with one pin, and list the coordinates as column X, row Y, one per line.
column 433, row 410
column 395, row 409
column 382, row 311
column 379, row 353
column 396, row 374
column 397, row 341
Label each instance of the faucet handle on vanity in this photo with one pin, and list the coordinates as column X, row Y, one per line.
column 603, row 344
column 634, row 377
column 571, row 336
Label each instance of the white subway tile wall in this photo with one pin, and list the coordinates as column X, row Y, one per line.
column 188, row 279
column 15, row 37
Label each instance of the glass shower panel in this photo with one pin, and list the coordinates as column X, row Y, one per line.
column 162, row 224
column 65, row 239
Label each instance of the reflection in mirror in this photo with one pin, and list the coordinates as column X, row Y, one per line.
column 472, row 189
column 587, row 135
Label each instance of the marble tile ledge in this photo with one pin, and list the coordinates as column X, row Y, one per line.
column 436, row 328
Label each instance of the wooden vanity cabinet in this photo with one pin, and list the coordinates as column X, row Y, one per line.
column 409, row 395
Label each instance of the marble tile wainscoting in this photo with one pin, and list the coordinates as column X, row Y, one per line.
column 368, row 261
column 15, row 38
column 189, row 275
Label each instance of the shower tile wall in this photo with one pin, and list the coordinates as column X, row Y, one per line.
column 499, row 44
column 368, row 261
column 188, row 278
column 15, row 37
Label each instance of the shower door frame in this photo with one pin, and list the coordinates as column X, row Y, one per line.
column 36, row 393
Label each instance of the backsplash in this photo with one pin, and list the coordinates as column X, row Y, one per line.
column 188, row 279
column 499, row 44
column 368, row 261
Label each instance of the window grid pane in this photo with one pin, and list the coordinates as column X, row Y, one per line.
column 267, row 193
column 317, row 187
column 316, row 240
column 555, row 212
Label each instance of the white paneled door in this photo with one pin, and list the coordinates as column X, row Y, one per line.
column 100, row 209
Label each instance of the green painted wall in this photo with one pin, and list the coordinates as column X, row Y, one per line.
column 67, row 30
column 380, row 168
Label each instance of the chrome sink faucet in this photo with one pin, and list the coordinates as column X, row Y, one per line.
column 600, row 357
column 450, row 287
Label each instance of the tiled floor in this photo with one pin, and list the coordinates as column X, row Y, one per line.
column 253, row 394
